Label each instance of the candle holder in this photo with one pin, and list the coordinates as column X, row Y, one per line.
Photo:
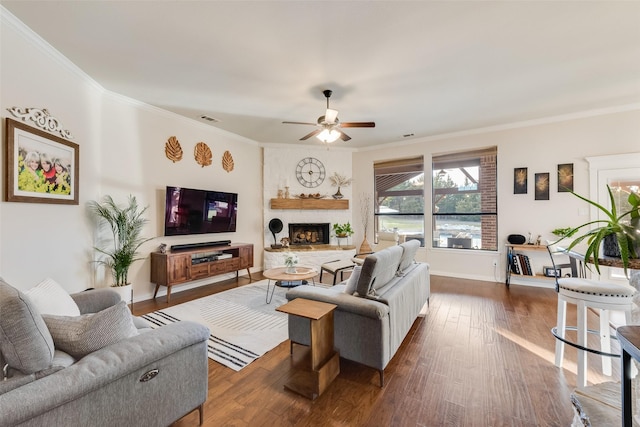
column 286, row 192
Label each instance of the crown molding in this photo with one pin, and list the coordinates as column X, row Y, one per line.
column 509, row 126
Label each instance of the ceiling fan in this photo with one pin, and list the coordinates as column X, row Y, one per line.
column 329, row 127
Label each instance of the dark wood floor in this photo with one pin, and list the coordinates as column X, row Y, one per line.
column 482, row 356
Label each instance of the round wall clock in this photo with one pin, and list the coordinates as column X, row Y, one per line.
column 310, row 172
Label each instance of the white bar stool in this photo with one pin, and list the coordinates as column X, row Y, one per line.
column 586, row 293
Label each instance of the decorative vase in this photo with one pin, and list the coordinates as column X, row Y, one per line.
column 338, row 194
column 125, row 292
column 365, row 248
column 291, row 269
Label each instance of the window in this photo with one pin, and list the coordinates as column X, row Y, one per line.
column 465, row 209
column 399, row 198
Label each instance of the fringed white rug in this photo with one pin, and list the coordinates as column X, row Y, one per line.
column 243, row 326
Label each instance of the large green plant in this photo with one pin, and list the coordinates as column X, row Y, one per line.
column 126, row 224
column 626, row 234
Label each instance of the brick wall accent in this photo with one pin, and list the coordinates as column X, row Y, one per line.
column 488, row 202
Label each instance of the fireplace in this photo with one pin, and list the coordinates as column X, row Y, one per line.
column 309, row 233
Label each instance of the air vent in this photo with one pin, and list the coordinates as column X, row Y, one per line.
column 407, row 135
column 209, row 119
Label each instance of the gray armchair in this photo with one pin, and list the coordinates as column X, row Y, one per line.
column 152, row 378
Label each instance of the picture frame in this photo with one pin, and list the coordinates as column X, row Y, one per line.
column 542, row 186
column 520, row 180
column 565, row 178
column 39, row 167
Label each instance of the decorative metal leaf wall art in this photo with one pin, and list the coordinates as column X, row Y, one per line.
column 202, row 154
column 227, row 161
column 173, row 150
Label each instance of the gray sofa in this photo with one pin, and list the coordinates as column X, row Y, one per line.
column 153, row 377
column 370, row 324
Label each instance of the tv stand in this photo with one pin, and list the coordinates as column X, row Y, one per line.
column 185, row 265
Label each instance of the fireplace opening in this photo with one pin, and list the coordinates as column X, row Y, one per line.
column 309, row 233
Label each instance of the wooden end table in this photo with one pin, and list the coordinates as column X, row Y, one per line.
column 318, row 364
column 287, row 280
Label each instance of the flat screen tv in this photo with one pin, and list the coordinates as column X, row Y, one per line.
column 190, row 211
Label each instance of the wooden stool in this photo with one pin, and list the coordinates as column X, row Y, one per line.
column 586, row 293
column 333, row 267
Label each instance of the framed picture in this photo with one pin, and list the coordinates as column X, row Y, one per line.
column 39, row 167
column 565, row 178
column 542, row 186
column 520, row 181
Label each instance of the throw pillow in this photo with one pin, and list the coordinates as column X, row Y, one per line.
column 352, row 282
column 84, row 334
column 25, row 341
column 51, row 298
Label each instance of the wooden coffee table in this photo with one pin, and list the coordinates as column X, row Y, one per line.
column 318, row 364
column 288, row 280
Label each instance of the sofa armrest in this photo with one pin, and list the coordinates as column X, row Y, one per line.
column 105, row 367
column 95, row 300
column 345, row 302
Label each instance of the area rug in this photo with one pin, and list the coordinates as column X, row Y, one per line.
column 243, row 326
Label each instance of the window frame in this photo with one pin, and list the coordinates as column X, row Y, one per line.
column 488, row 211
column 396, row 172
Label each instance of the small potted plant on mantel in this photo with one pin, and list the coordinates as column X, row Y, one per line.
column 619, row 237
column 126, row 225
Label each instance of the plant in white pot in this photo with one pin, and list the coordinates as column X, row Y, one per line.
column 126, row 224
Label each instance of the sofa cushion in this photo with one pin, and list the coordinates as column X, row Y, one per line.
column 378, row 269
column 408, row 255
column 84, row 334
column 25, row 341
column 51, row 298
column 352, row 282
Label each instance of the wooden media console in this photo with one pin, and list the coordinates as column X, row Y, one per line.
column 182, row 266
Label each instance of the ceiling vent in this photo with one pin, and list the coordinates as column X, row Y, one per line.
column 209, row 119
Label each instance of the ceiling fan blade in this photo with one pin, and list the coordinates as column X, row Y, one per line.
column 330, row 116
column 358, row 125
column 344, row 136
column 309, row 135
column 299, row 123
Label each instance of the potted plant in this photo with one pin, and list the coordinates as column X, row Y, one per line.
column 626, row 235
column 126, row 224
column 338, row 180
column 342, row 230
column 290, row 261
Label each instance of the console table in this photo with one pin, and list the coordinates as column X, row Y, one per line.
column 317, row 366
column 182, row 266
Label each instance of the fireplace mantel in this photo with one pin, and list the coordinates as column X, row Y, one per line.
column 309, row 204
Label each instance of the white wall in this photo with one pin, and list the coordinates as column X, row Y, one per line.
column 539, row 147
column 121, row 152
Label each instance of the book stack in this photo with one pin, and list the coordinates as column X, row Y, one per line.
column 520, row 265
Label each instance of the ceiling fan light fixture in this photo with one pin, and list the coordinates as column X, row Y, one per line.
column 328, row 135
